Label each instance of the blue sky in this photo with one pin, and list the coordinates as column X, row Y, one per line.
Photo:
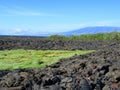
column 35, row 17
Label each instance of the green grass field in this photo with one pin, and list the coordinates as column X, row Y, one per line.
column 14, row 59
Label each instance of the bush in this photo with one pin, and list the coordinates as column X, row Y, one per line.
column 98, row 36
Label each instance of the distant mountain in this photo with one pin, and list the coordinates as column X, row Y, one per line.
column 91, row 30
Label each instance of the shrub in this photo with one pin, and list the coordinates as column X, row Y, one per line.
column 98, row 36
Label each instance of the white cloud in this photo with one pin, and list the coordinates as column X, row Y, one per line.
column 26, row 13
column 63, row 27
column 60, row 27
column 18, row 11
column 54, row 28
column 103, row 23
column 19, row 31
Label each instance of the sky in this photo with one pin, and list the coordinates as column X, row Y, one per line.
column 36, row 17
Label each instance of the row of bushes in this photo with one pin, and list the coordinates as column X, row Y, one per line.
column 98, row 36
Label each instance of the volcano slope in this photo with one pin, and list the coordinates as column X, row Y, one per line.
column 101, row 69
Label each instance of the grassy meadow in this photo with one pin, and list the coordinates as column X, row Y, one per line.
column 14, row 59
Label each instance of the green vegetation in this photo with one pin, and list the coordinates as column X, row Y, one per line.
column 13, row 59
column 98, row 36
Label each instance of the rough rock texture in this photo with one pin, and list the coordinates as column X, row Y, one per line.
column 43, row 44
column 99, row 70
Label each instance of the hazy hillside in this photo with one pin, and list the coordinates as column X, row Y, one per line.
column 91, row 30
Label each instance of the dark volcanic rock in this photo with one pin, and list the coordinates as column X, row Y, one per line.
column 44, row 44
column 99, row 70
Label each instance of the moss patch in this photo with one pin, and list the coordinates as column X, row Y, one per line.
column 14, row 59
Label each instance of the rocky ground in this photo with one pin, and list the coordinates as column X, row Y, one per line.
column 99, row 70
column 45, row 44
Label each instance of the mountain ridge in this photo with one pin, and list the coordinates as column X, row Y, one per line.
column 92, row 30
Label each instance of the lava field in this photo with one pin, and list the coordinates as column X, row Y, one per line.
column 99, row 70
